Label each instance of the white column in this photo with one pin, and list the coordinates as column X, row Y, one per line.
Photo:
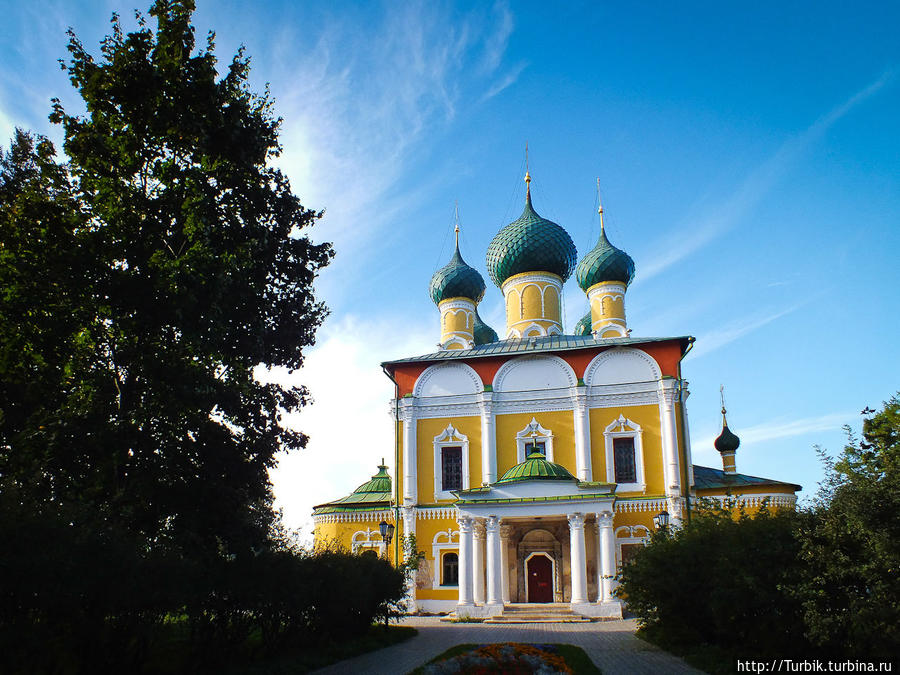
column 488, row 441
column 579, row 570
column 408, row 414
column 478, row 562
column 687, row 432
column 670, row 447
column 583, row 468
column 465, row 561
column 409, row 532
column 607, row 569
column 494, row 571
column 505, row 531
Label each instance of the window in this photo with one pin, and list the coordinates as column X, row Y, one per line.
column 623, row 452
column 450, row 565
column 629, row 551
column 451, row 468
column 536, row 447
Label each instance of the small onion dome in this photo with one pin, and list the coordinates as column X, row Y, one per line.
column 583, row 327
column 604, row 262
column 456, row 280
column 530, row 244
column 536, row 467
column 482, row 333
column 727, row 441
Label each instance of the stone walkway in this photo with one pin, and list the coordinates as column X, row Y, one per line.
column 611, row 645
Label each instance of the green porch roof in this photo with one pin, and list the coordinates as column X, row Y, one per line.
column 536, row 467
column 707, row 478
column 373, row 494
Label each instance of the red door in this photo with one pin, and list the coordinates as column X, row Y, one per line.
column 540, row 579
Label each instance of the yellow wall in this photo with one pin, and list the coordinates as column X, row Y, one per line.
column 561, row 423
column 425, row 531
column 426, row 431
column 647, row 416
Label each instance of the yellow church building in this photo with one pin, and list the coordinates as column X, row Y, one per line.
column 530, row 466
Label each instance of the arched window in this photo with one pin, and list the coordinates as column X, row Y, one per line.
column 450, row 567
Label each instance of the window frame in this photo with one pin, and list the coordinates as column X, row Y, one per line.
column 449, row 437
column 534, row 433
column 622, row 427
column 443, row 572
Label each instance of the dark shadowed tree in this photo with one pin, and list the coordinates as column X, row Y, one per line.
column 143, row 282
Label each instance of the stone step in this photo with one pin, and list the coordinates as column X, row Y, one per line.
column 533, row 612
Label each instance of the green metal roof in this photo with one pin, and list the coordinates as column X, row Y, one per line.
column 537, row 345
column 530, row 244
column 376, row 492
column 604, row 262
column 706, row 478
column 483, row 334
column 531, row 500
column 456, row 279
column 536, row 467
column 583, row 327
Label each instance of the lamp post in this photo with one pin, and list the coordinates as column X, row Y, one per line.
column 387, row 533
column 661, row 520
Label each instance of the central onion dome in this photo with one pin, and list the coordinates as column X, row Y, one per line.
column 456, row 280
column 604, row 262
column 536, row 467
column 530, row 244
column 583, row 327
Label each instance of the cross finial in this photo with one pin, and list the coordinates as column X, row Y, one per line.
column 527, row 175
column 456, row 228
column 599, row 206
column 722, row 396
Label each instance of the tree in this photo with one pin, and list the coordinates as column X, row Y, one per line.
column 149, row 276
column 850, row 554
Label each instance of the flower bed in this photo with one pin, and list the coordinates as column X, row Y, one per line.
column 511, row 658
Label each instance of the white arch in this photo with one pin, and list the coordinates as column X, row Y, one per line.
column 448, row 379
column 538, row 372
column 622, row 365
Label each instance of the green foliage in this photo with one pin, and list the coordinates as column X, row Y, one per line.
column 851, row 545
column 719, row 580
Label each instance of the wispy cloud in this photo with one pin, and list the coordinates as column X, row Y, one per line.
column 715, row 339
column 699, row 229
column 784, row 428
column 506, row 81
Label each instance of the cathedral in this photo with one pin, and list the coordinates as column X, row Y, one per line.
column 528, row 467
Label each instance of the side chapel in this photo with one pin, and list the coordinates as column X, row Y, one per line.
column 530, row 467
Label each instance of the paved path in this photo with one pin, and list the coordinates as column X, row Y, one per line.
column 611, row 645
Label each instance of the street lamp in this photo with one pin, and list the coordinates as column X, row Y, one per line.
column 661, row 520
column 387, row 533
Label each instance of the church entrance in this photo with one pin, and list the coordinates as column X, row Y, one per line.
column 539, row 571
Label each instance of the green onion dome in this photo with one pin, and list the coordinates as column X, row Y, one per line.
column 604, row 262
column 530, row 244
column 482, row 333
column 456, row 280
column 727, row 441
column 536, row 467
column 583, row 327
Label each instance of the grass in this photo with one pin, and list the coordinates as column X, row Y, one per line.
column 575, row 658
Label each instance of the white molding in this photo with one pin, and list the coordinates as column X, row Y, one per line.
column 438, row 548
column 439, row 368
column 552, row 573
column 368, row 539
column 621, row 354
column 636, row 534
column 458, row 341
column 441, row 513
column 621, row 427
column 449, row 437
column 776, row 499
column 532, row 432
column 504, row 371
column 354, row 517
column 640, row 505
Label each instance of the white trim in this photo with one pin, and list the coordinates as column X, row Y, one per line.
column 533, row 432
column 430, row 371
column 438, row 548
column 640, row 505
column 368, row 539
column 776, row 499
column 636, row 534
column 552, row 573
column 353, row 517
column 505, row 369
column 449, row 438
column 618, row 353
column 622, row 427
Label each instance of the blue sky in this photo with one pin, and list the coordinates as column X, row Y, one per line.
column 749, row 158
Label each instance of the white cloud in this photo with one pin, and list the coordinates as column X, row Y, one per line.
column 711, row 341
column 697, row 230
column 783, row 428
column 348, row 424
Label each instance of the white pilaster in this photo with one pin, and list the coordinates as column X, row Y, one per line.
column 494, row 558
column 465, row 561
column 408, row 415
column 478, row 562
column 488, row 440
column 687, row 432
column 579, row 570
column 505, row 531
column 672, row 472
column 409, row 531
column 583, row 467
column 606, row 582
